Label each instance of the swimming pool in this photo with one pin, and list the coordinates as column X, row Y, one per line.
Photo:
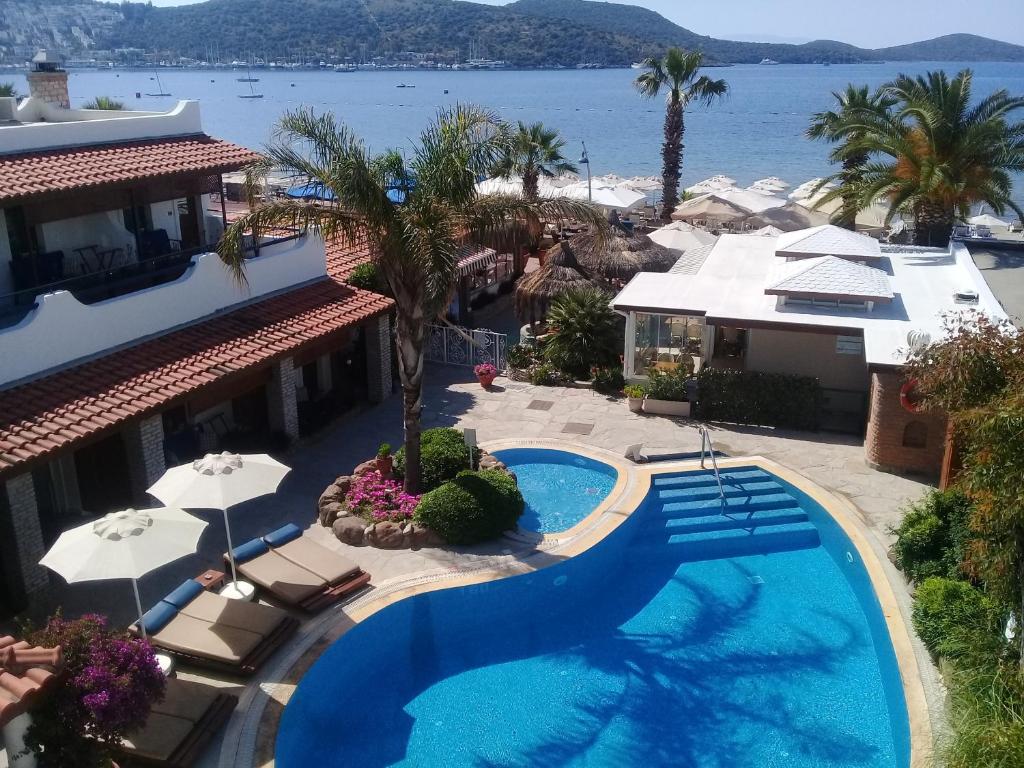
column 560, row 488
column 693, row 635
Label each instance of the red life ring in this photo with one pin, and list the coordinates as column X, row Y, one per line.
column 908, row 397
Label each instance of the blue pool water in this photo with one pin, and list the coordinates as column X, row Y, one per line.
column 559, row 488
column 693, row 635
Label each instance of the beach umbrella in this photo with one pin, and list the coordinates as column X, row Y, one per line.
column 752, row 202
column 619, row 255
column 987, row 220
column 620, row 198
column 680, row 236
column 789, row 218
column 220, row 481
column 560, row 272
column 808, row 187
column 772, row 182
column 713, row 184
column 768, row 231
column 124, row 545
column 644, row 183
column 709, row 207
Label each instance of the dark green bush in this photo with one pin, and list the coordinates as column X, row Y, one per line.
column 368, row 277
column 953, row 619
column 474, row 507
column 933, row 535
column 443, row 454
column 765, row 399
column 608, row 381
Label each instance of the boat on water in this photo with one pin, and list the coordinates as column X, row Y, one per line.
column 346, row 68
column 768, row 62
column 159, row 87
column 252, row 91
column 637, row 65
column 404, row 85
column 247, row 79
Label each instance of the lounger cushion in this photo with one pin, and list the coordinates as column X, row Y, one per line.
column 217, row 642
column 283, row 535
column 289, row 581
column 158, row 617
column 184, row 594
column 329, row 565
column 187, row 699
column 254, row 617
column 160, row 738
column 245, row 552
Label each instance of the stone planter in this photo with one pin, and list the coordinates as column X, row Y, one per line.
column 667, row 407
column 518, row 374
column 636, row 404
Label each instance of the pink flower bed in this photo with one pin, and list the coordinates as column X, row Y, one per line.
column 378, row 498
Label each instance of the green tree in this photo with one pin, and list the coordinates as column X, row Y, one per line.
column 584, row 332
column 679, row 74
column 104, row 102
column 842, row 125
column 415, row 214
column 534, row 151
column 937, row 152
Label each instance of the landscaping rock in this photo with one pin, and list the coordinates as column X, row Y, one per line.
column 365, row 468
column 344, row 483
column 331, row 512
column 349, row 530
column 386, row 535
column 489, row 462
column 332, row 494
column 418, row 536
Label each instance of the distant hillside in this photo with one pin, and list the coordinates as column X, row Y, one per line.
column 527, row 33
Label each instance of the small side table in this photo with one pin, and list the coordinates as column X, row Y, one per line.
column 166, row 664
column 211, row 580
column 239, row 590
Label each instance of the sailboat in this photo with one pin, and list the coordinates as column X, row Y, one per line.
column 248, row 77
column 159, row 86
column 252, row 93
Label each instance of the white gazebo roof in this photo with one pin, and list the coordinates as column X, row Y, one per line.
column 827, row 240
column 832, row 277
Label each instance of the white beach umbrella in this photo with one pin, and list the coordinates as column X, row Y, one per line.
column 987, row 220
column 680, row 236
column 806, row 189
column 773, row 182
column 618, row 197
column 711, row 207
column 644, row 183
column 766, row 231
column 219, row 481
column 124, row 545
column 608, row 179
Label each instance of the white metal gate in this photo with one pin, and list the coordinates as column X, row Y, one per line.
column 452, row 345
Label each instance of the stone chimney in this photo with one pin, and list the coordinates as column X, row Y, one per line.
column 48, row 80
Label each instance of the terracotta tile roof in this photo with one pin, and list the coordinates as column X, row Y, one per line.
column 26, row 673
column 72, row 169
column 53, row 412
column 344, row 256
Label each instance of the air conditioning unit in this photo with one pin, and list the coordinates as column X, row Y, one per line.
column 967, row 296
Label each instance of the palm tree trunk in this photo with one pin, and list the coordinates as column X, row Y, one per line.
column 852, row 166
column 933, row 224
column 531, row 181
column 671, row 158
column 409, row 333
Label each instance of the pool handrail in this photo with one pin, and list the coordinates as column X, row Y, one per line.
column 708, row 447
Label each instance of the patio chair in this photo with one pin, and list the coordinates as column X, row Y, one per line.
column 296, row 570
column 208, row 630
column 179, row 728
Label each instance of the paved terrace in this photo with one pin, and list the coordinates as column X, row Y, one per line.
column 510, row 409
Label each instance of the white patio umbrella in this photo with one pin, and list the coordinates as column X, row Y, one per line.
column 711, row 207
column 712, row 184
column 618, row 197
column 680, row 236
column 644, row 183
column 219, row 481
column 774, row 182
column 806, row 189
column 124, row 545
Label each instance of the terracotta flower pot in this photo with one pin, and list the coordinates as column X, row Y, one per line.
column 485, row 379
column 385, row 464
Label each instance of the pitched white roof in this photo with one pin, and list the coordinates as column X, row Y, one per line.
column 827, row 240
column 692, row 260
column 833, row 277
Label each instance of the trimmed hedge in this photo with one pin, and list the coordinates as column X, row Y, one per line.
column 443, row 454
column 474, row 507
column 763, row 399
column 953, row 619
column 931, row 540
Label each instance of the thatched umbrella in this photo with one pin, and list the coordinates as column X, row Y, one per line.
column 560, row 272
column 618, row 255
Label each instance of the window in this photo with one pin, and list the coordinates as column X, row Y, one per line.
column 662, row 341
column 915, row 435
column 849, row 345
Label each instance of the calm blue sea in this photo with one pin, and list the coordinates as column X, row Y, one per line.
column 756, row 132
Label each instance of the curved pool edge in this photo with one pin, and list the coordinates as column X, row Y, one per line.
column 250, row 736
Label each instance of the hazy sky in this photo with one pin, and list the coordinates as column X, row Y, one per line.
column 868, row 23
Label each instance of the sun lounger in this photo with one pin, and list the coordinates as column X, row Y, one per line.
column 298, row 571
column 233, row 636
column 180, row 726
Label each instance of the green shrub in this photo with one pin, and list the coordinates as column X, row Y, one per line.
column 953, row 619
column 585, row 332
column 933, row 535
column 669, row 385
column 443, row 454
column 986, row 716
column 368, row 277
column 765, row 399
column 520, row 356
column 474, row 507
column 546, row 376
column 608, row 381
column 636, row 391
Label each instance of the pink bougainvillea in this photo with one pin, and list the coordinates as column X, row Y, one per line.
column 378, row 498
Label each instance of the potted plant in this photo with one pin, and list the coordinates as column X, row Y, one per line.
column 485, row 373
column 668, row 391
column 385, row 461
column 634, row 397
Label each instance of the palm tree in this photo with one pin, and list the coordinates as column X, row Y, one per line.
column 415, row 214
column 104, row 102
column 937, row 154
column 534, row 151
column 838, row 126
column 679, row 73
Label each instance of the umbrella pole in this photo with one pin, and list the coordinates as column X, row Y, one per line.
column 231, row 553
column 138, row 604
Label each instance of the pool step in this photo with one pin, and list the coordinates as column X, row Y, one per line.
column 739, row 503
column 701, row 493
column 707, row 477
column 731, row 542
column 784, row 516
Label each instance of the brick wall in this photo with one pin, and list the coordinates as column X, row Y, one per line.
column 28, row 535
column 378, row 358
column 282, row 405
column 898, row 440
column 144, row 444
column 51, row 87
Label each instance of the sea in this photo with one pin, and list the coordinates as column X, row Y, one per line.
column 757, row 131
